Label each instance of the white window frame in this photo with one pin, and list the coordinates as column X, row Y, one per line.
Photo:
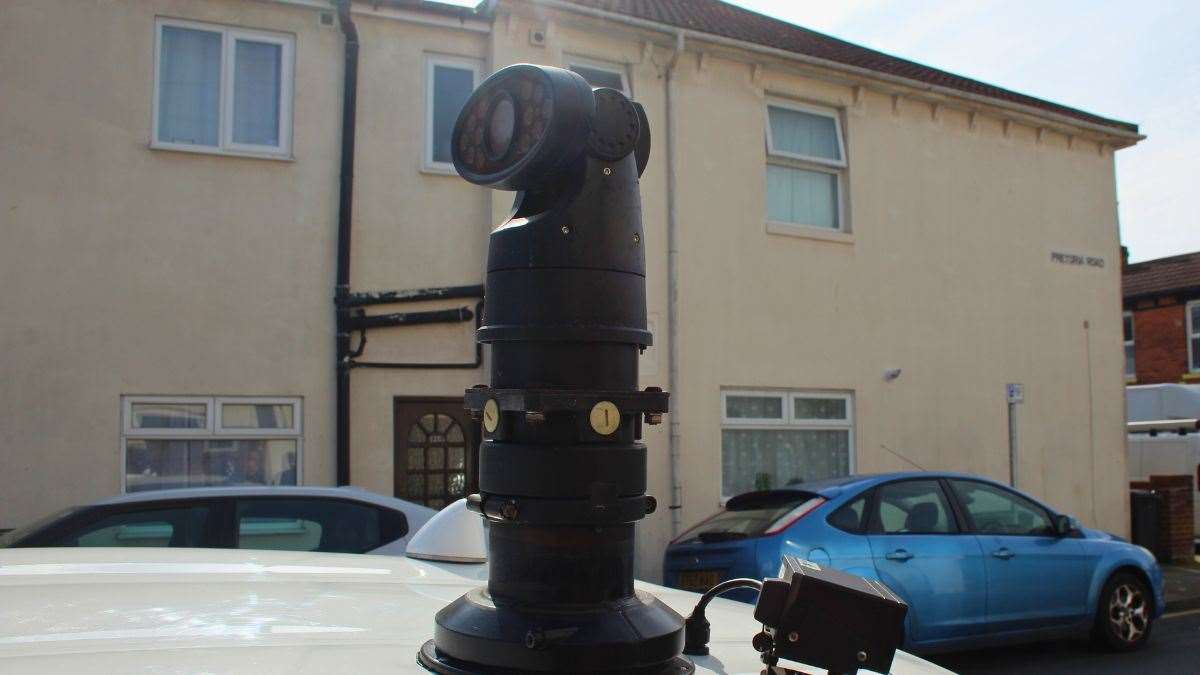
column 128, row 430
column 794, row 160
column 605, row 66
column 212, row 429
column 726, row 420
column 220, row 429
column 790, row 421
column 431, row 62
column 1129, row 343
column 1193, row 331
column 225, row 144
column 831, row 113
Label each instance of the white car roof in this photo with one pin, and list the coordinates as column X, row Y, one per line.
column 258, row 491
column 239, row 611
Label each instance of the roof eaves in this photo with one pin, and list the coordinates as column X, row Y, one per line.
column 1126, row 131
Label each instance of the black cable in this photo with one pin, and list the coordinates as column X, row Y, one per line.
column 696, row 628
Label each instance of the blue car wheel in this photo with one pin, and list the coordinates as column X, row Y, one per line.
column 1123, row 615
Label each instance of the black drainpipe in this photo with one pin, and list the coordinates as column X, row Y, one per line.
column 345, row 201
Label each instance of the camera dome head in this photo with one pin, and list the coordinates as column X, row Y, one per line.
column 522, row 126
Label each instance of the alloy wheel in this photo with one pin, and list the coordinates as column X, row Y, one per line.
column 1127, row 613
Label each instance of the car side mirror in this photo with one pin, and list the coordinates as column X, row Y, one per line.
column 1065, row 526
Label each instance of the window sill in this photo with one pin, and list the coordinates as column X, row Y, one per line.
column 203, row 150
column 1191, row 377
column 439, row 170
column 805, row 232
column 1129, row 379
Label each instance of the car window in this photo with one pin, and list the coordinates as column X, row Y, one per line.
column 330, row 525
column 746, row 515
column 15, row 537
column 994, row 510
column 849, row 516
column 913, row 507
column 156, row 527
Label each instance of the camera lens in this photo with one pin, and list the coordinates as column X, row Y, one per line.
column 502, row 124
column 522, row 126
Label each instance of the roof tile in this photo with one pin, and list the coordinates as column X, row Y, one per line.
column 725, row 20
column 1164, row 275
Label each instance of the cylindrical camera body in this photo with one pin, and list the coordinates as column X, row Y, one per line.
column 562, row 471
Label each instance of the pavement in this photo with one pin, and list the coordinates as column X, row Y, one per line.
column 1181, row 584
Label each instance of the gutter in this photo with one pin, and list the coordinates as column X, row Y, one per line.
column 673, row 441
column 1130, row 137
column 342, row 354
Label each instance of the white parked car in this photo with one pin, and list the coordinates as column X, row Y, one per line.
column 169, row 610
column 333, row 520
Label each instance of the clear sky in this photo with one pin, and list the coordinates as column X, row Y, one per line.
column 1133, row 61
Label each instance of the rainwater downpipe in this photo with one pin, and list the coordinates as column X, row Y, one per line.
column 345, row 202
column 673, row 441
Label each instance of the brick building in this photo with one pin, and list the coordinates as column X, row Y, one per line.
column 1162, row 320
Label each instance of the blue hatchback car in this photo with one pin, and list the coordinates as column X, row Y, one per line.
column 977, row 562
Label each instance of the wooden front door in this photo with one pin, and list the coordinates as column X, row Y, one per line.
column 436, row 450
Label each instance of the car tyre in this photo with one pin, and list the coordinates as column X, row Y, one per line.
column 1123, row 615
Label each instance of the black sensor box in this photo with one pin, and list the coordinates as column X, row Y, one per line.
column 830, row 619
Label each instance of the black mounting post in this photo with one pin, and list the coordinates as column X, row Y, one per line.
column 562, row 471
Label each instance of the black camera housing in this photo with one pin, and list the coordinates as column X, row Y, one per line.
column 829, row 619
column 562, row 469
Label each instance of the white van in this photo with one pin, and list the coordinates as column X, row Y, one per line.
column 1164, row 435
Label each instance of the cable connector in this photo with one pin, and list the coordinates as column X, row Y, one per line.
column 696, row 629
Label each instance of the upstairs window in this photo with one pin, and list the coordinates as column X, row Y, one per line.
column 806, row 163
column 1130, row 368
column 601, row 74
column 449, row 82
column 220, row 89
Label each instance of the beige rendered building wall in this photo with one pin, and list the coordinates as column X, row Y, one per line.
column 139, row 271
column 124, row 255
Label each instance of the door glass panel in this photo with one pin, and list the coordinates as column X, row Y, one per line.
column 457, row 484
column 416, row 485
column 457, row 458
column 416, row 458
column 454, row 434
column 994, row 510
column 429, row 422
column 183, row 526
column 436, row 482
column 437, row 458
column 416, row 434
column 913, row 507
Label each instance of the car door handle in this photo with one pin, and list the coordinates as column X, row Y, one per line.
column 899, row 554
column 1002, row 553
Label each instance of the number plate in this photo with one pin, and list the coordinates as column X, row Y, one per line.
column 698, row 580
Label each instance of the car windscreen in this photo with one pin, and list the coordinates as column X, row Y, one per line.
column 744, row 516
column 15, row 536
